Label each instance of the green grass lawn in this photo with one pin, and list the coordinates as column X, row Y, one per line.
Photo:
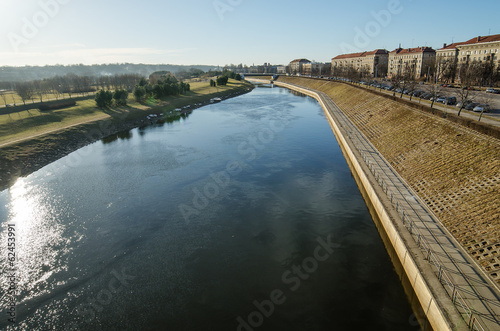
column 11, row 97
column 23, row 124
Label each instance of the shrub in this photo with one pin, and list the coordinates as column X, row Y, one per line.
column 103, row 98
column 56, row 105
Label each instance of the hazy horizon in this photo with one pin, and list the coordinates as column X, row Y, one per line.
column 220, row 32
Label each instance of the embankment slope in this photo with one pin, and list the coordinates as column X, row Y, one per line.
column 455, row 170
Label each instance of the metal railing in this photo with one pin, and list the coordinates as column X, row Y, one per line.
column 363, row 146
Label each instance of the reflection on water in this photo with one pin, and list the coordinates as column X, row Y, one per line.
column 40, row 246
column 185, row 225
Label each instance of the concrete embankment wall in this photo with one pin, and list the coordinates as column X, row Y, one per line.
column 437, row 307
column 453, row 169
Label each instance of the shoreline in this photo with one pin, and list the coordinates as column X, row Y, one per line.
column 427, row 281
column 22, row 158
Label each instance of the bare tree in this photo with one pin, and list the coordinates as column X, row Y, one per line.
column 434, row 90
column 484, row 100
column 408, row 79
column 67, row 84
column 448, row 70
column 463, row 97
column 396, row 83
column 4, row 97
column 429, row 68
column 24, row 90
column 412, row 86
column 463, row 93
column 40, row 88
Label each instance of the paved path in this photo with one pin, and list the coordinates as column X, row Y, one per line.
column 10, row 142
column 475, row 295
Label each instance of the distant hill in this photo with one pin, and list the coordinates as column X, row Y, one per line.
column 17, row 74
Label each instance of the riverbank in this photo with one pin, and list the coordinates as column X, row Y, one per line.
column 452, row 168
column 479, row 299
column 28, row 150
column 431, row 258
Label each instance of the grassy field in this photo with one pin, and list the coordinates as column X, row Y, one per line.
column 24, row 124
column 452, row 168
column 12, row 97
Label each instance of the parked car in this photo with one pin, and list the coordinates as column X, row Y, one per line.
column 459, row 105
column 471, row 105
column 482, row 108
column 492, row 90
column 450, row 101
column 441, row 99
column 426, row 96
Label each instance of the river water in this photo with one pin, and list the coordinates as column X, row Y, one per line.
column 242, row 216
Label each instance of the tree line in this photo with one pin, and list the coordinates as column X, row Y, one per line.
column 18, row 74
column 223, row 77
column 70, row 84
column 159, row 86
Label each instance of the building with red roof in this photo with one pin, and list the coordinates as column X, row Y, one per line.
column 480, row 49
column 416, row 61
column 373, row 63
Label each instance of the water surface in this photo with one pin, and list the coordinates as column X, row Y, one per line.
column 194, row 225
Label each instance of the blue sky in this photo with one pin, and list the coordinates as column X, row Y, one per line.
column 218, row 32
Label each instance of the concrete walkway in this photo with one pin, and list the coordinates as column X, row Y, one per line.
column 475, row 295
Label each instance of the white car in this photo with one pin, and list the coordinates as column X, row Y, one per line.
column 482, row 108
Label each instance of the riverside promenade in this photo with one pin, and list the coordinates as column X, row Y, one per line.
column 474, row 296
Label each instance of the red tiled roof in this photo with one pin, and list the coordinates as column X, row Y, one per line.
column 479, row 39
column 348, row 56
column 377, row 51
column 413, row 50
column 361, row 54
column 451, row 46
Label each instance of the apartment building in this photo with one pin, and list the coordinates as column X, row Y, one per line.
column 374, row 63
column 480, row 49
column 418, row 61
column 448, row 52
column 297, row 66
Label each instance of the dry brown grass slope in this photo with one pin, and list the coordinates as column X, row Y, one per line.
column 455, row 170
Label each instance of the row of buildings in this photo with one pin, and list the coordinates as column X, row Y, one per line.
column 306, row 67
column 419, row 61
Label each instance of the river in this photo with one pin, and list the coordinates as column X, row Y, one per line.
column 242, row 216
